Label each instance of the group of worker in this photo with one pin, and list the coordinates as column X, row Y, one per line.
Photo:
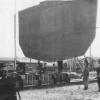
column 8, row 87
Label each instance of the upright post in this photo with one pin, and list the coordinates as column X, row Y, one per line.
column 90, row 51
column 15, row 38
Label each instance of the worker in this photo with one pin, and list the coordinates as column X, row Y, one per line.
column 7, row 86
column 98, row 76
column 85, row 74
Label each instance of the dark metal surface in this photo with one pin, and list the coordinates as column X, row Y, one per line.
column 57, row 30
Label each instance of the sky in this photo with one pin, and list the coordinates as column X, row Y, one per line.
column 7, row 11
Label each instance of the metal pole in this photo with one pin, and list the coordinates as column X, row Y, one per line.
column 15, row 37
column 90, row 51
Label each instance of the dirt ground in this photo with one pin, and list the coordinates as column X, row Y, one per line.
column 74, row 92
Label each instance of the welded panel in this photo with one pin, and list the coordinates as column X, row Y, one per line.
column 57, row 30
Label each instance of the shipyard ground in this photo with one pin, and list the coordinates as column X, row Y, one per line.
column 68, row 92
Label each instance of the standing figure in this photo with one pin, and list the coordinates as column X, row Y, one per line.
column 39, row 73
column 98, row 77
column 7, row 87
column 54, row 79
column 85, row 74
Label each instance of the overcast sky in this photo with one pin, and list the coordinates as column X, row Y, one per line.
column 7, row 11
